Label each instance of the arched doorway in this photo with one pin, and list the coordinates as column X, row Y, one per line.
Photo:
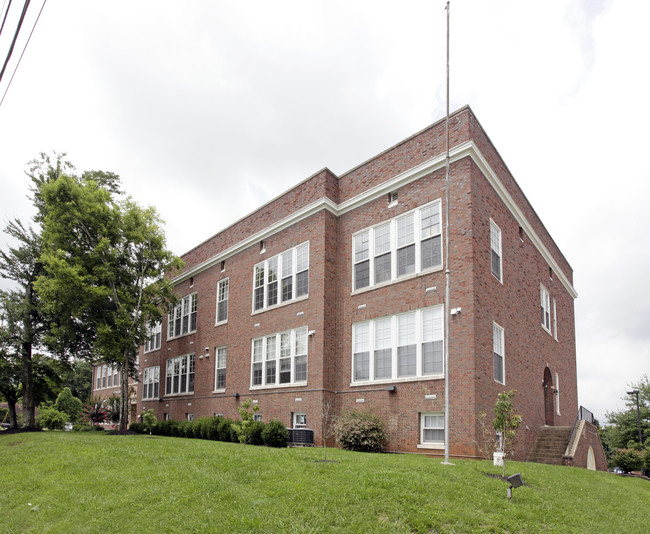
column 549, row 413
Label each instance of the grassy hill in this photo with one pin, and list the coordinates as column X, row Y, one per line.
column 95, row 482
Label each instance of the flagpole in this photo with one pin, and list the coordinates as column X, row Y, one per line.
column 447, row 308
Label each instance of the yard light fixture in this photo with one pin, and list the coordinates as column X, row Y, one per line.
column 515, row 482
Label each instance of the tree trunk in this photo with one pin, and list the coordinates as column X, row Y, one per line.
column 11, row 405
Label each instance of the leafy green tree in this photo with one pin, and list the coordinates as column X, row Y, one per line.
column 505, row 422
column 104, row 269
column 246, row 426
column 149, row 420
column 78, row 375
column 69, row 404
column 10, row 362
column 623, row 425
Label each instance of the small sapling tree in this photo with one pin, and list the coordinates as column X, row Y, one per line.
column 505, row 422
column 149, row 420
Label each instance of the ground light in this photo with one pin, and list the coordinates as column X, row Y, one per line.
column 515, row 482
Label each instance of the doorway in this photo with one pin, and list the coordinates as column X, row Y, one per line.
column 549, row 412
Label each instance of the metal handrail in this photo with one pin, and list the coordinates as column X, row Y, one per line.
column 583, row 415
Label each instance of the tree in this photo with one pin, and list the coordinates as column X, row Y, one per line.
column 10, row 364
column 245, row 427
column 78, row 375
column 623, row 425
column 505, row 422
column 22, row 265
column 69, row 404
column 104, row 271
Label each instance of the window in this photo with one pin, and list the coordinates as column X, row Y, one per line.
column 495, row 246
column 98, row 374
column 222, row 300
column 408, row 244
column 432, row 429
column 299, row 420
column 546, row 309
column 104, row 376
column 168, row 417
column 153, row 337
column 220, row 372
column 280, row 359
column 554, row 319
column 180, row 375
column 257, row 417
column 497, row 350
column 282, row 278
column 150, row 382
column 409, row 345
column 189, row 416
column 182, row 319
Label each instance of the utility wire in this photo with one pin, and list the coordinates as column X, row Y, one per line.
column 5, row 17
column 23, row 52
column 13, row 42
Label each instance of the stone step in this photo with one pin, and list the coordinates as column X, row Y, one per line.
column 551, row 445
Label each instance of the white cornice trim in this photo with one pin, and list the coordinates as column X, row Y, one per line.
column 467, row 149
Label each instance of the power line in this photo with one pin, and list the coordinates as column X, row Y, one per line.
column 5, row 17
column 23, row 52
column 13, row 41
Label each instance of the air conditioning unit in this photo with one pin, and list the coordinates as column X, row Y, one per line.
column 301, row 437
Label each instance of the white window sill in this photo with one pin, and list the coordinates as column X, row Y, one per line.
column 437, row 446
column 176, row 395
column 219, row 391
column 397, row 380
column 276, row 306
column 221, row 323
column 182, row 335
column 429, row 270
column 278, row 386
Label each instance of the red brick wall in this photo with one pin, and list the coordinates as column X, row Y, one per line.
column 332, row 308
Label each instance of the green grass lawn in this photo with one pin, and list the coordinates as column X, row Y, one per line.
column 94, row 482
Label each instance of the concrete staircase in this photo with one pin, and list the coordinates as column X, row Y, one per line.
column 551, row 445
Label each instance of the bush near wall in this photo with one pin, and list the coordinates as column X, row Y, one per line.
column 628, row 460
column 272, row 434
column 360, row 431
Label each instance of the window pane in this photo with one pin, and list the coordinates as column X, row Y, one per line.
column 362, row 366
column 287, row 263
column 302, row 283
column 405, row 231
column 496, row 265
column 430, row 220
column 302, row 257
column 362, row 275
column 431, row 252
column 257, row 374
column 361, row 337
column 406, row 260
column 406, row 360
column 301, row 368
column 270, row 372
column 432, row 358
column 285, row 370
column 272, row 296
column 406, row 325
column 382, row 239
column 361, row 247
column 287, row 288
column 382, row 268
column 383, row 363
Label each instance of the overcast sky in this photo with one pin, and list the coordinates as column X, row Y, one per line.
column 208, row 109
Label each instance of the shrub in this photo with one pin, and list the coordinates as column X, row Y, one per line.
column 360, row 431
column 628, row 460
column 255, row 430
column 140, row 428
column 94, row 412
column 51, row 418
column 81, row 427
column 224, row 429
column 69, row 404
column 244, row 427
column 275, row 434
column 208, row 426
column 165, row 428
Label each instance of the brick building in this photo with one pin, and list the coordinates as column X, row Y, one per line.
column 333, row 294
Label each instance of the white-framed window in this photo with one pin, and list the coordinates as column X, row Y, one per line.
column 151, row 382
column 223, row 291
column 499, row 354
column 432, row 430
column 220, row 369
column 218, row 414
column 279, row 359
column 257, row 417
column 495, row 250
column 106, row 376
column 98, row 377
column 189, row 416
column 282, row 278
column 104, row 371
column 405, row 245
column 168, row 417
column 180, row 375
column 557, row 394
column 546, row 308
column 554, row 319
column 399, row 347
column 182, row 319
column 299, row 420
column 153, row 337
